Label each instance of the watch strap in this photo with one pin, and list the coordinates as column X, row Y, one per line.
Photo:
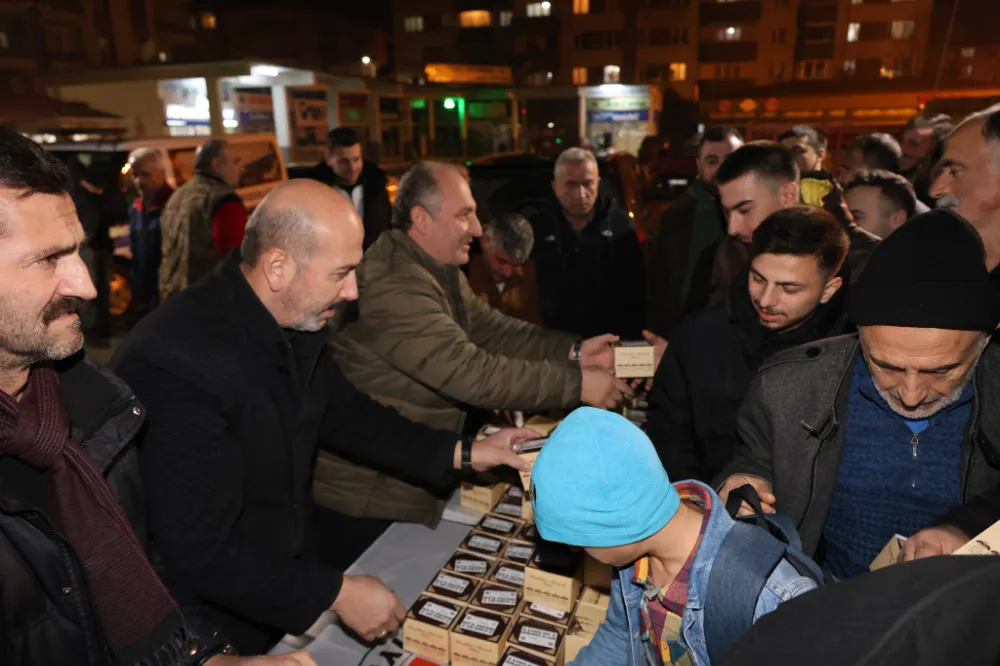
column 467, row 453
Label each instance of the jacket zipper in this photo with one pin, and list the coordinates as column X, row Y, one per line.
column 914, row 441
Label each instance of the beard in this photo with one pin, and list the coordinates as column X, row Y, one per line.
column 948, row 201
column 930, row 410
column 31, row 340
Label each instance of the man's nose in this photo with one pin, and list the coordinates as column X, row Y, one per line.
column 475, row 228
column 769, row 298
column 912, row 391
column 941, row 186
column 350, row 291
column 76, row 280
column 735, row 224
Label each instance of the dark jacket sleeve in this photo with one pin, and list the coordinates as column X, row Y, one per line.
column 632, row 272
column 701, row 290
column 975, row 515
column 378, row 208
column 366, row 431
column 754, row 437
column 670, row 424
column 192, row 468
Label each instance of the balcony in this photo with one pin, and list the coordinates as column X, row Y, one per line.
column 818, row 14
column 822, row 51
column 494, row 6
column 535, row 24
column 730, row 12
column 712, row 52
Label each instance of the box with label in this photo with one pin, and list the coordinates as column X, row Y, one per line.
column 509, row 506
column 505, row 528
column 427, row 627
column 481, row 497
column 634, row 360
column 576, row 639
column 479, row 638
column 470, row 565
column 528, row 534
column 541, row 638
column 518, row 552
column 596, row 574
column 482, row 544
column 528, row 457
column 507, row 574
column 553, row 577
column 592, row 609
column 527, row 512
column 986, row 542
column 452, row 587
column 497, row 598
column 890, row 554
column 538, row 611
column 516, row 657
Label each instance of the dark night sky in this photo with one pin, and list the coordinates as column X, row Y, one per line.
column 373, row 12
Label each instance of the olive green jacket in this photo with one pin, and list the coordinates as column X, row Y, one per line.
column 419, row 340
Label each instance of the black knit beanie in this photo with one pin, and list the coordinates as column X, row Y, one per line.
column 929, row 273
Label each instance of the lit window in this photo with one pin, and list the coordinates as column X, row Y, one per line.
column 812, row 69
column 579, row 76
column 856, row 2
column 853, row 31
column 208, row 21
column 474, row 18
column 966, row 53
column 967, row 71
column 612, row 74
column 850, row 66
column 414, row 23
column 903, row 29
column 581, row 6
column 506, row 18
column 730, row 34
column 678, row 71
column 539, row 8
column 4, row 41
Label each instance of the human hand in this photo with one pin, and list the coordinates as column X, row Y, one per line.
column 598, row 352
column 368, row 607
column 762, row 487
column 602, row 389
column 301, row 658
column 497, row 450
column 941, row 540
column 659, row 346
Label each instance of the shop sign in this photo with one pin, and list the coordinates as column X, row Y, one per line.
column 448, row 73
column 255, row 110
column 624, row 103
column 637, row 116
column 309, row 111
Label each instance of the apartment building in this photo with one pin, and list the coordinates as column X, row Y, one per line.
column 700, row 47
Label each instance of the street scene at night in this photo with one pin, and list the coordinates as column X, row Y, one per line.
column 499, row 332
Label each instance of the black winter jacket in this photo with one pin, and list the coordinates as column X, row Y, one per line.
column 237, row 408
column 46, row 612
column 377, row 210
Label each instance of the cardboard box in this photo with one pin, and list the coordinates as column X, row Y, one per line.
column 495, row 598
column 482, row 544
column 527, row 512
column 500, row 526
column 508, row 574
column 509, row 506
column 576, row 639
column 539, row 638
column 427, row 627
column 479, row 638
column 542, row 425
column 543, row 613
column 986, row 542
column 514, row 493
column 516, row 657
column 481, row 497
column 592, row 609
column 553, row 577
column 470, row 565
column 634, row 360
column 518, row 552
column 452, row 587
column 528, row 534
column 596, row 574
column 529, row 457
column 890, row 554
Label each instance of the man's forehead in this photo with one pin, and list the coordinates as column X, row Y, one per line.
column 904, row 341
column 582, row 171
column 785, row 267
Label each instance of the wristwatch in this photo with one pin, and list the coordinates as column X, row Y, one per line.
column 575, row 353
column 467, row 453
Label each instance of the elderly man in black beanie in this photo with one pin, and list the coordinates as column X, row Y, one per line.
column 859, row 438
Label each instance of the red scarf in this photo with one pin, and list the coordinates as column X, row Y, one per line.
column 130, row 599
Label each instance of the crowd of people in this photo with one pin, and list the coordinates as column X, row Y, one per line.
column 306, row 375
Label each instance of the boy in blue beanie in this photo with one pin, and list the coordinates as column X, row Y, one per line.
column 599, row 484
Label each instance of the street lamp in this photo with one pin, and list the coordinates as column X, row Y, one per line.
column 546, row 6
column 365, row 60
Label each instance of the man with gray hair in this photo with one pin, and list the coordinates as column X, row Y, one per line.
column 423, row 342
column 502, row 274
column 204, row 220
column 149, row 176
column 591, row 278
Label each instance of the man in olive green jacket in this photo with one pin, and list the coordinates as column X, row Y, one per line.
column 422, row 342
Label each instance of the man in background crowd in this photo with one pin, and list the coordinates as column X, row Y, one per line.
column 808, row 145
column 922, row 144
column 502, row 273
column 422, row 342
column 880, row 201
column 868, row 152
column 203, row 220
column 150, row 179
column 587, row 256
column 364, row 183
column 692, row 226
column 790, row 294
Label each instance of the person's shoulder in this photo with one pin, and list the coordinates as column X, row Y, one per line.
column 703, row 325
column 374, row 174
column 861, row 238
column 784, row 584
column 817, row 356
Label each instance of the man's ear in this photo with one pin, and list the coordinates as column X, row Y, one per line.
column 421, row 219
column 897, row 220
column 831, row 288
column 789, row 194
column 278, row 269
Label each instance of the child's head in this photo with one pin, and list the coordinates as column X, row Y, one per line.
column 599, row 484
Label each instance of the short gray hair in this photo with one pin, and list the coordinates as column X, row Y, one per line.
column 206, row 154
column 418, row 187
column 283, row 226
column 574, row 156
column 513, row 233
column 140, row 155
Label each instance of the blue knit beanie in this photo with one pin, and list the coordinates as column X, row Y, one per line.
column 598, row 482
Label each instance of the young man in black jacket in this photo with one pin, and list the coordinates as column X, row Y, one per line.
column 791, row 293
column 363, row 182
column 241, row 389
column 76, row 585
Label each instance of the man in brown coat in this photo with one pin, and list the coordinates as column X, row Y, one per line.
column 421, row 341
column 503, row 275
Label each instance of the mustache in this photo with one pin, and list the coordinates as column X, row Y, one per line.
column 769, row 311
column 64, row 305
column 948, row 201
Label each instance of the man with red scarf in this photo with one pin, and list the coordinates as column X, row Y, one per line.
column 76, row 585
